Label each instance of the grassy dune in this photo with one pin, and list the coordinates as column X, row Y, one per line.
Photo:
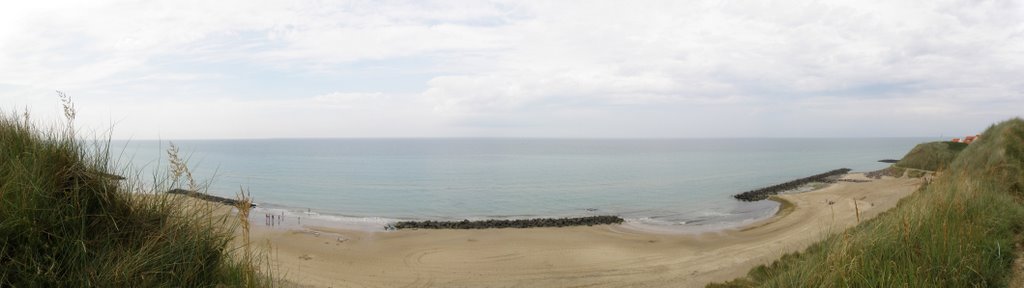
column 932, row 156
column 957, row 231
column 66, row 222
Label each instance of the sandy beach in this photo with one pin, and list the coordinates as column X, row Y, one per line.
column 599, row 256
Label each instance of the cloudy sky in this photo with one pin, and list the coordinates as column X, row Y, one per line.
column 276, row 69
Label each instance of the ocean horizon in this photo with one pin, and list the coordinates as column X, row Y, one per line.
column 673, row 184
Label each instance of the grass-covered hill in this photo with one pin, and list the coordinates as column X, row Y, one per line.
column 65, row 221
column 959, row 230
column 932, row 156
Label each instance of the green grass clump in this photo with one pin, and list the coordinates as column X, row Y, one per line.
column 66, row 222
column 956, row 231
column 932, row 156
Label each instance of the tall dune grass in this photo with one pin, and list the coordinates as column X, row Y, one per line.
column 65, row 221
column 960, row 230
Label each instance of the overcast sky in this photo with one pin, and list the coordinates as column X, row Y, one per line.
column 284, row 69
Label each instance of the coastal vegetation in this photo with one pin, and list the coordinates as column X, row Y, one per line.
column 67, row 221
column 932, row 156
column 959, row 230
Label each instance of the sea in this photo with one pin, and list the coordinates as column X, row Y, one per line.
column 666, row 184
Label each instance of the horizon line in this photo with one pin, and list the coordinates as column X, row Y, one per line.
column 518, row 138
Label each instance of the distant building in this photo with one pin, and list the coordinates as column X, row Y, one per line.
column 968, row 139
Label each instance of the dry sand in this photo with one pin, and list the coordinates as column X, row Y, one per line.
column 600, row 256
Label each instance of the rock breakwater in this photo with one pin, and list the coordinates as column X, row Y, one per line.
column 518, row 223
column 207, row 197
column 764, row 193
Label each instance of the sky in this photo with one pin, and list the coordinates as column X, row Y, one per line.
column 231, row 69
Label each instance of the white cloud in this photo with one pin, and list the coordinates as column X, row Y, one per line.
column 653, row 54
column 516, row 68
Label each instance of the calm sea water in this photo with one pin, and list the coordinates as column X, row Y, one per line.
column 661, row 182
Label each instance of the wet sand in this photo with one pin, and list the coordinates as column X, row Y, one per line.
column 599, row 256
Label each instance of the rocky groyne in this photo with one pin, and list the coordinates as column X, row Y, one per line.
column 764, row 193
column 518, row 223
column 207, row 197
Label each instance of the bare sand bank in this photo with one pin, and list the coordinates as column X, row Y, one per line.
column 599, row 256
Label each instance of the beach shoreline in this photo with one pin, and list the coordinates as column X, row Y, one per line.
column 651, row 223
column 605, row 255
